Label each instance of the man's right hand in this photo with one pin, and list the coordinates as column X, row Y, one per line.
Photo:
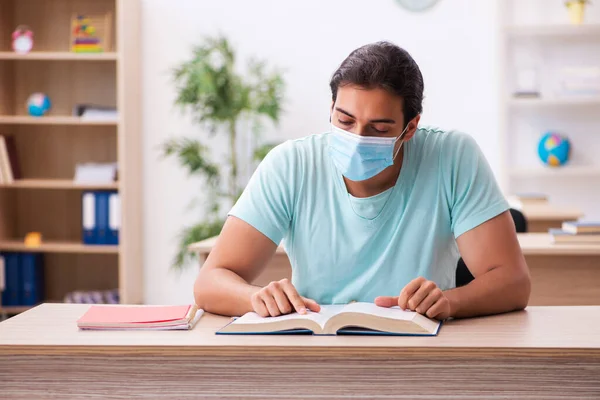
column 281, row 297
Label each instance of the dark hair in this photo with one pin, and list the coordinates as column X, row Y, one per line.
column 384, row 65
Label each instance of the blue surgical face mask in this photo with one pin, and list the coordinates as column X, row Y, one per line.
column 361, row 157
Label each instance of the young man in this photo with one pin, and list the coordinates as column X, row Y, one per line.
column 377, row 210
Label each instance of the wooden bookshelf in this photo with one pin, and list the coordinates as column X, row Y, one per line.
column 46, row 199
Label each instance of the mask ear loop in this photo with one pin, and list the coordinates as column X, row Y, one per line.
column 398, row 138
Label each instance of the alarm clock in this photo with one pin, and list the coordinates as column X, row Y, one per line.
column 22, row 39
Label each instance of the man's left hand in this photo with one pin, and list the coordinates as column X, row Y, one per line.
column 422, row 296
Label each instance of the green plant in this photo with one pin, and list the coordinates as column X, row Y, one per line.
column 220, row 99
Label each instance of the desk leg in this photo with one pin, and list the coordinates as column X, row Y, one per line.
column 520, row 376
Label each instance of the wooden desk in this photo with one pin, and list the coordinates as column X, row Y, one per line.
column 540, row 353
column 542, row 217
column 562, row 274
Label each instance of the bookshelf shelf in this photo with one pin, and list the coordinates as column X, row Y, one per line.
column 58, row 56
column 53, row 120
column 554, row 31
column 57, row 184
column 58, row 247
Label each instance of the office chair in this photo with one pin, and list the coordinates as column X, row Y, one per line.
column 463, row 275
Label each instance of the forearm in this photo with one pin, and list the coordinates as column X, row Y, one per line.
column 222, row 291
column 496, row 291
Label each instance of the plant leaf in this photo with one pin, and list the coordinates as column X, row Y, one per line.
column 192, row 234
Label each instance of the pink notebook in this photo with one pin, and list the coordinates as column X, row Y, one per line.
column 139, row 317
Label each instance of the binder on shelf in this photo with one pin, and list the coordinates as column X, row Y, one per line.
column 88, row 218
column 114, row 218
column 12, row 278
column 101, row 217
column 32, row 279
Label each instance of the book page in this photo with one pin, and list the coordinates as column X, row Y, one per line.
column 384, row 312
column 320, row 317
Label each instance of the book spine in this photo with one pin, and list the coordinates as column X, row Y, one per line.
column 89, row 225
column 31, row 279
column 4, row 164
column 11, row 147
column 10, row 295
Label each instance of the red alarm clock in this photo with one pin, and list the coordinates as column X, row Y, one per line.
column 22, row 39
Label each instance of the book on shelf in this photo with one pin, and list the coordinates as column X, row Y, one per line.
column 121, row 317
column 9, row 164
column 581, row 227
column 96, row 173
column 351, row 319
column 562, row 236
column 91, row 112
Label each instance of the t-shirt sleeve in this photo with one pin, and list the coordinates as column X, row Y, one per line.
column 267, row 202
column 475, row 196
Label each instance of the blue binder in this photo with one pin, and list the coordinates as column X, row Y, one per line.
column 101, row 217
column 114, row 218
column 88, row 218
column 32, row 279
column 12, row 279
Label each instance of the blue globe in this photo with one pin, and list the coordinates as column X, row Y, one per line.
column 38, row 104
column 553, row 149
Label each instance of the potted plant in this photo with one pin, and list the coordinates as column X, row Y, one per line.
column 576, row 10
column 223, row 101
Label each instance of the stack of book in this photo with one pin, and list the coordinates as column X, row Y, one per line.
column 9, row 165
column 577, row 232
column 121, row 317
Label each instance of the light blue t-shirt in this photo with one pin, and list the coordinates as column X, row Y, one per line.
column 343, row 248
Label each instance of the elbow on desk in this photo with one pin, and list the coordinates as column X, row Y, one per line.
column 522, row 287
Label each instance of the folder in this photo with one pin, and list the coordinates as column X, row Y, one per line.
column 114, row 218
column 12, row 278
column 101, row 217
column 88, row 217
column 32, row 280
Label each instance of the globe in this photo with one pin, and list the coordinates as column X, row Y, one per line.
column 553, row 149
column 38, row 104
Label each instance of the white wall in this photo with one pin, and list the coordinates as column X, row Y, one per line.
column 455, row 44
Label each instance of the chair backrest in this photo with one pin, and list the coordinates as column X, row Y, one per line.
column 463, row 275
column 520, row 220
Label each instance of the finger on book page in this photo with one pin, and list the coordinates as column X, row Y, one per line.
column 311, row 304
column 386, row 301
column 292, row 294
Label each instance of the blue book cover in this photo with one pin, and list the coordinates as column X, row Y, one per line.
column 12, row 279
column 114, row 218
column 101, row 217
column 32, row 279
column 88, row 218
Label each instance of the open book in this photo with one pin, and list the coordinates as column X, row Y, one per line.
column 354, row 318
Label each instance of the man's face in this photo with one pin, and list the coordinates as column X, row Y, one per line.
column 368, row 112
